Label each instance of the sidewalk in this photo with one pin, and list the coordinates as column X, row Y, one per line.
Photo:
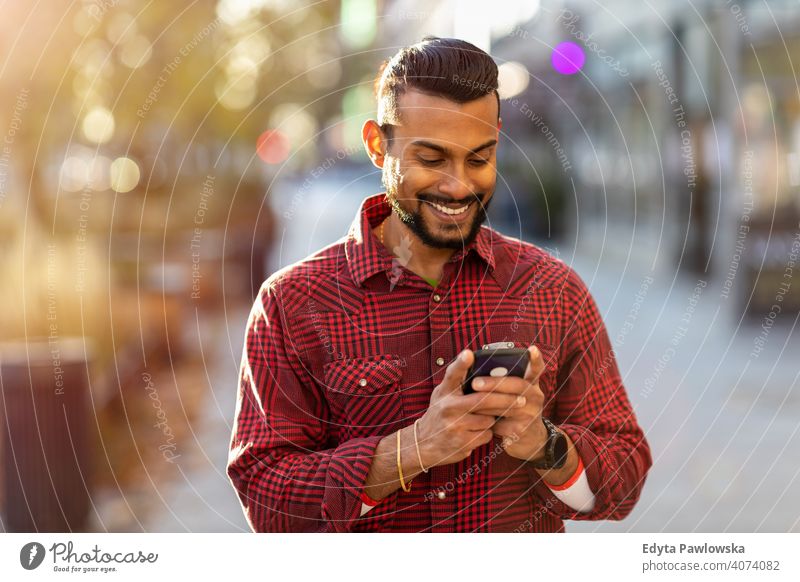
column 204, row 500
column 721, row 417
column 191, row 493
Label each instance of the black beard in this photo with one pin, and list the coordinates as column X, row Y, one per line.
column 416, row 222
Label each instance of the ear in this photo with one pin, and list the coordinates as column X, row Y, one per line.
column 373, row 142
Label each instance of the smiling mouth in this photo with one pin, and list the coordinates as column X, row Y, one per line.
column 448, row 210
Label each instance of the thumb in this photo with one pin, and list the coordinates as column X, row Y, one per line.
column 456, row 372
column 535, row 365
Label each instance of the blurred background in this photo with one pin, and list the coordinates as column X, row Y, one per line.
column 160, row 159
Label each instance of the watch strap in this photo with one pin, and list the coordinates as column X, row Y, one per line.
column 549, row 461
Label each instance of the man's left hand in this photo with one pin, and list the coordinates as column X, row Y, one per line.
column 522, row 430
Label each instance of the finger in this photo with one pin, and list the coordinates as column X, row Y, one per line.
column 534, row 401
column 481, row 438
column 508, row 426
column 456, row 372
column 504, row 385
column 507, row 431
column 535, row 365
column 478, row 422
column 516, row 414
column 515, row 386
column 491, row 402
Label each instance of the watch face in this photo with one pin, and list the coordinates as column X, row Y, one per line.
column 560, row 451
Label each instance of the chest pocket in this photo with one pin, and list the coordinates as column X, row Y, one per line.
column 364, row 394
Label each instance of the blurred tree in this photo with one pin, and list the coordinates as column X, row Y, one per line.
column 123, row 110
column 177, row 90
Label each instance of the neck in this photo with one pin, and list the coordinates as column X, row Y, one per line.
column 421, row 259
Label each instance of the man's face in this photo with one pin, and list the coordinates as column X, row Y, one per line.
column 439, row 170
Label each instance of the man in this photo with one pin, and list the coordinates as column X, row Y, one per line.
column 351, row 414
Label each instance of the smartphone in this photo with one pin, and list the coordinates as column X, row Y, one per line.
column 497, row 362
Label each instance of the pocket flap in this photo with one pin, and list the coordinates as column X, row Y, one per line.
column 363, row 375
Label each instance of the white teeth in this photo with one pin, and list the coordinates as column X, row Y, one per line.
column 447, row 210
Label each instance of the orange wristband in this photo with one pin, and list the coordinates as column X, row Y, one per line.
column 569, row 482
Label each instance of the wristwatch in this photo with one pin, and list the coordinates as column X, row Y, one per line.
column 555, row 448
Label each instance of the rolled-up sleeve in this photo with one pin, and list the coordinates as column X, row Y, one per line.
column 592, row 407
column 286, row 472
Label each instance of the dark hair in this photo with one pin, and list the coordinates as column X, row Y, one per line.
column 445, row 67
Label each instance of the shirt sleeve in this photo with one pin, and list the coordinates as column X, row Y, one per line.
column 286, row 473
column 592, row 407
column 576, row 491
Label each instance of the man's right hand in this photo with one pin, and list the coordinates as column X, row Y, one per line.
column 455, row 424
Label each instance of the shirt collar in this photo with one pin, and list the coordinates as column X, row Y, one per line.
column 366, row 256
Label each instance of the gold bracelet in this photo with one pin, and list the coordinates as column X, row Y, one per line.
column 416, row 444
column 399, row 468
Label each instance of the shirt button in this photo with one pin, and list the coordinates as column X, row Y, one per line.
column 437, row 298
column 441, row 494
column 362, row 382
column 440, row 361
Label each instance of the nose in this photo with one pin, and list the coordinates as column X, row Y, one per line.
column 456, row 184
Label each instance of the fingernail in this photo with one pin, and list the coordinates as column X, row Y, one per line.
column 521, row 401
column 478, row 382
column 464, row 356
column 534, row 351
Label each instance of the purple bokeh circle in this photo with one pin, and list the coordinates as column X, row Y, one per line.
column 568, row 58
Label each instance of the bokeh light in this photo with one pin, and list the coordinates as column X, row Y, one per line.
column 568, row 58
column 236, row 93
column 512, row 78
column 73, row 174
column 98, row 173
column 295, row 122
column 98, row 125
column 272, row 146
column 124, row 175
column 135, row 52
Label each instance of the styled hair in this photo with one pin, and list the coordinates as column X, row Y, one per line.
column 443, row 67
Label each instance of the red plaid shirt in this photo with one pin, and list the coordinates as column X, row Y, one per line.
column 345, row 347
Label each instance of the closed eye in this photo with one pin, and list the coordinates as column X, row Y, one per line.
column 430, row 162
column 479, row 162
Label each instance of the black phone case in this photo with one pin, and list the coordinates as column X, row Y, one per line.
column 514, row 360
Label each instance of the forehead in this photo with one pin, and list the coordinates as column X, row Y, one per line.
column 435, row 118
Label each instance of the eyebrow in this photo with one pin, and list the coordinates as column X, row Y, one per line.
column 444, row 150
